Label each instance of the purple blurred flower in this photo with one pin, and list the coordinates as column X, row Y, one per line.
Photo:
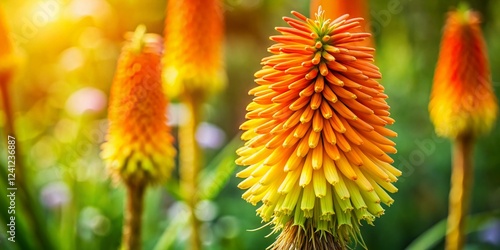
column 55, row 194
column 210, row 136
column 491, row 233
column 86, row 99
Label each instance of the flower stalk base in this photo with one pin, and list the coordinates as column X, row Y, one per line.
column 131, row 237
column 462, row 177
column 190, row 164
column 294, row 237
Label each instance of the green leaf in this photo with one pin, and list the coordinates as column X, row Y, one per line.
column 436, row 233
column 218, row 171
column 167, row 239
column 24, row 238
column 173, row 188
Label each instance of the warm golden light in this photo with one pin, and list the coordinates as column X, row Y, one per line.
column 7, row 56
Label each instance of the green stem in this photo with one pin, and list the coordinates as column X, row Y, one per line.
column 26, row 200
column 131, row 237
column 190, row 165
column 462, row 177
column 9, row 123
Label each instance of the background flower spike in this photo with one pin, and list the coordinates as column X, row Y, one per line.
column 138, row 150
column 194, row 35
column 462, row 99
column 462, row 106
column 139, row 144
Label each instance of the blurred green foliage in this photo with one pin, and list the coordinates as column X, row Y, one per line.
column 70, row 48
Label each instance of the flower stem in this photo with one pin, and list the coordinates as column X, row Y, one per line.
column 131, row 238
column 190, row 165
column 26, row 199
column 306, row 238
column 461, row 182
column 9, row 122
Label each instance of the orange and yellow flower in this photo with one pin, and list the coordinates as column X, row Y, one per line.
column 462, row 98
column 193, row 44
column 316, row 151
column 355, row 8
column 8, row 64
column 7, row 55
column 139, row 144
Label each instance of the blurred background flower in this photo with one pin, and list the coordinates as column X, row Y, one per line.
column 462, row 98
column 462, row 107
column 193, row 65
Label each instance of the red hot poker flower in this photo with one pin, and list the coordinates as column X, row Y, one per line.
column 316, row 146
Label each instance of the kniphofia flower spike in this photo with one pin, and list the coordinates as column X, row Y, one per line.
column 139, row 144
column 194, row 32
column 316, row 139
column 8, row 58
column 462, row 98
column 462, row 107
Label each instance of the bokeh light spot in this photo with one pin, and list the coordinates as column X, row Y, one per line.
column 86, row 99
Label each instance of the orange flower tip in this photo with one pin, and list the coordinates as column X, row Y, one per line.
column 316, row 60
column 323, row 72
column 183, row 74
column 310, row 49
column 298, row 15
